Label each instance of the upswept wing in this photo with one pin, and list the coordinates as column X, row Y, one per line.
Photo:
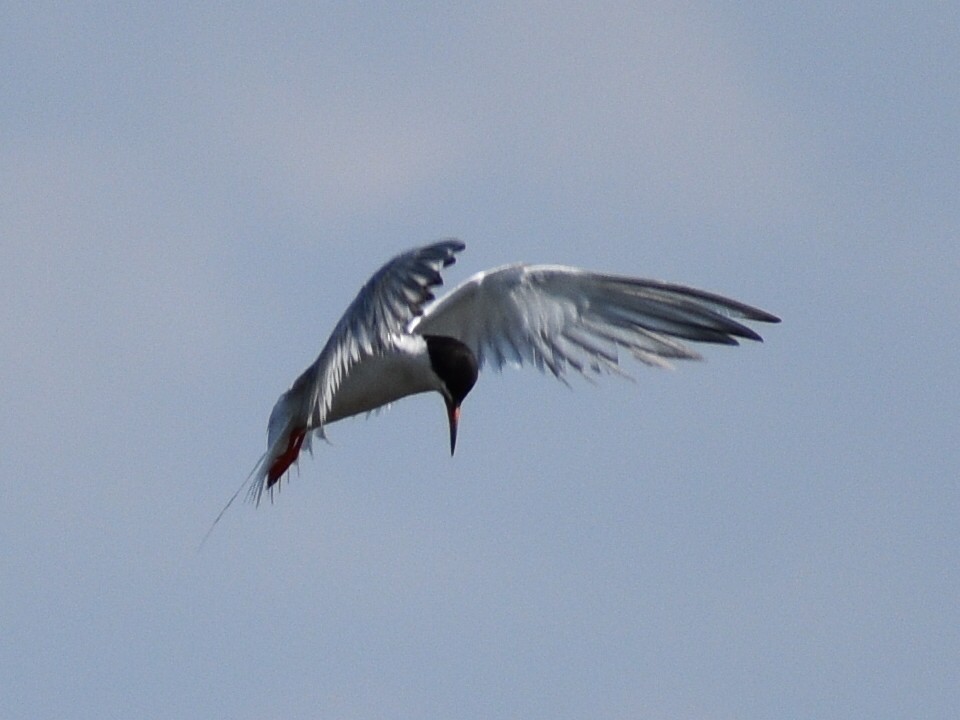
column 385, row 305
column 556, row 317
column 395, row 295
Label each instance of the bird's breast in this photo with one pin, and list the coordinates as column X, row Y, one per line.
column 376, row 380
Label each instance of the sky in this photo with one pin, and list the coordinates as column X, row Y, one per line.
column 191, row 194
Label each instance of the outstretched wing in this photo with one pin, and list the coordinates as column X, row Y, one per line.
column 557, row 317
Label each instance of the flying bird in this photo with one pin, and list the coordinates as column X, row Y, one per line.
column 396, row 339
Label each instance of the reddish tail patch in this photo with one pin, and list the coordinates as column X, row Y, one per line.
column 286, row 458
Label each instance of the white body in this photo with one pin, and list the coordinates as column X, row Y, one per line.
column 382, row 379
column 553, row 317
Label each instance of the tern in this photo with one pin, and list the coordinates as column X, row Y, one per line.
column 396, row 339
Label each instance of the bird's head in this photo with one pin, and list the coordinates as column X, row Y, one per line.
column 456, row 366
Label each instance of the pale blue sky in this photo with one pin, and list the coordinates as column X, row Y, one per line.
column 190, row 197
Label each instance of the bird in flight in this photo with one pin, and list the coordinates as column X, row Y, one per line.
column 396, row 339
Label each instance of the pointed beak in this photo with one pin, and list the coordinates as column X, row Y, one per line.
column 453, row 416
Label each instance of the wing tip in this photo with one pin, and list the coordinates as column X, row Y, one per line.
column 758, row 315
column 453, row 246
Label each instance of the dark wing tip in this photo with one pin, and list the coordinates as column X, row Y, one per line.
column 448, row 246
column 452, row 246
column 758, row 315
